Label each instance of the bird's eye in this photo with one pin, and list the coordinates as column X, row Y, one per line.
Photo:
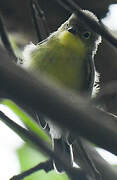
column 86, row 35
column 67, row 25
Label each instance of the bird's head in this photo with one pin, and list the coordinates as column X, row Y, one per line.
column 75, row 32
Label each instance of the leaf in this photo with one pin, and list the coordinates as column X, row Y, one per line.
column 32, row 125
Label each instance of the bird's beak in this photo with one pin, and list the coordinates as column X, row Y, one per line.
column 72, row 30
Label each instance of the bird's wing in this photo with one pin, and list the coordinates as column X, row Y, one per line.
column 90, row 75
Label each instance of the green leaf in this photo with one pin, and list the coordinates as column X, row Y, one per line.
column 32, row 125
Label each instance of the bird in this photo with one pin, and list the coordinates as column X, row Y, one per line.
column 67, row 57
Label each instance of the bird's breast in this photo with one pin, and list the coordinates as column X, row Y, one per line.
column 72, row 42
column 64, row 66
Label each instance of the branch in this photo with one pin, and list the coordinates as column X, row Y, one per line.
column 63, row 107
column 39, row 20
column 6, row 41
column 32, row 138
column 47, row 166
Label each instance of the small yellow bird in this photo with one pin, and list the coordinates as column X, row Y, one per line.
column 67, row 56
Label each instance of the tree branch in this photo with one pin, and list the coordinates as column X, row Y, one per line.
column 6, row 41
column 40, row 23
column 63, row 107
column 32, row 138
column 47, row 166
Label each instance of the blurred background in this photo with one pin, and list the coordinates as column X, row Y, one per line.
column 18, row 22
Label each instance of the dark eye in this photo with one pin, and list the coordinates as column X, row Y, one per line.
column 86, row 35
column 67, row 25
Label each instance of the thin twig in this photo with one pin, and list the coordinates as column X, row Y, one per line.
column 47, row 166
column 6, row 41
column 36, row 141
column 39, row 20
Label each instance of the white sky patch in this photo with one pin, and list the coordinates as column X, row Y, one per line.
column 109, row 157
column 9, row 142
column 111, row 19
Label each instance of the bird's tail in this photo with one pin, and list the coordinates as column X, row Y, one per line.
column 84, row 159
column 64, row 149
